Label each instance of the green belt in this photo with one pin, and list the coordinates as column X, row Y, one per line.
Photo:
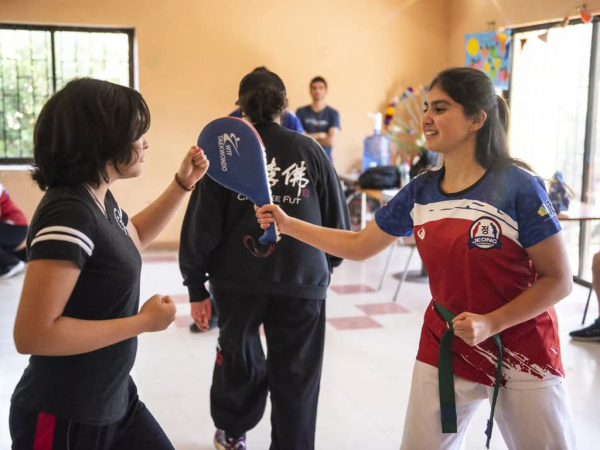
column 446, row 378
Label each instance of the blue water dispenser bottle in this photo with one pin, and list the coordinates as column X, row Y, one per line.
column 376, row 149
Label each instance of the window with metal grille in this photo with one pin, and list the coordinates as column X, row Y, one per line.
column 36, row 61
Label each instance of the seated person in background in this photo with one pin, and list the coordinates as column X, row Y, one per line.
column 13, row 230
column 592, row 332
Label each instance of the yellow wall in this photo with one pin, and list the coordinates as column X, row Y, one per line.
column 192, row 54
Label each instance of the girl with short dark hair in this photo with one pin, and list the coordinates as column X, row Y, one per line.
column 79, row 314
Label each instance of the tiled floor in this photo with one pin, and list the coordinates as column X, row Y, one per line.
column 370, row 349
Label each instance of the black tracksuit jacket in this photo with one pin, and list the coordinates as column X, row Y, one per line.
column 220, row 229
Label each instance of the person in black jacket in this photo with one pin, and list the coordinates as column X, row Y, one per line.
column 282, row 287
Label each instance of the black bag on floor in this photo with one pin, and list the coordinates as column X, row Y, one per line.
column 381, row 177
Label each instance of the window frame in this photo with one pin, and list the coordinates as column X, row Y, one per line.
column 52, row 29
column 591, row 118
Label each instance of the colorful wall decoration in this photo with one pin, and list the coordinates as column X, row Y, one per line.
column 490, row 52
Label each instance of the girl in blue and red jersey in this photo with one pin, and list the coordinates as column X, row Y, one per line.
column 493, row 248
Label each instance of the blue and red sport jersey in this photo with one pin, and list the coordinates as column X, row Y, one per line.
column 473, row 244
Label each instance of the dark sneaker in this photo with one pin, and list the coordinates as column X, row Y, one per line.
column 222, row 442
column 212, row 323
column 591, row 333
column 9, row 271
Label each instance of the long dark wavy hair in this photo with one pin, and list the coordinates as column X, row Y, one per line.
column 474, row 90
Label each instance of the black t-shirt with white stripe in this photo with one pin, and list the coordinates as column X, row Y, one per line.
column 90, row 388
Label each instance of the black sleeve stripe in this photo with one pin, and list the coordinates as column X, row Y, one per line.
column 69, row 231
column 62, row 237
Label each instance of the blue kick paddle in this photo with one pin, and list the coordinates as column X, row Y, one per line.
column 238, row 162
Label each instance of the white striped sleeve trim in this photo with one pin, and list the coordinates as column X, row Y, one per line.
column 67, row 230
column 63, row 237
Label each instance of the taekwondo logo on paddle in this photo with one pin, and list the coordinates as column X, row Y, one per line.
column 228, row 143
column 485, row 233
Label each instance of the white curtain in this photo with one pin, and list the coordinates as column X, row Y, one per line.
column 549, row 103
column 548, row 99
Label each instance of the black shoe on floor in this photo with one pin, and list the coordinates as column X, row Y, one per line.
column 212, row 323
column 9, row 271
column 591, row 333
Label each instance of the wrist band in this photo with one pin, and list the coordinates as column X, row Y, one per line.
column 181, row 184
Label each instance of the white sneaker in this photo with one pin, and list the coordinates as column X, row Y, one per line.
column 10, row 271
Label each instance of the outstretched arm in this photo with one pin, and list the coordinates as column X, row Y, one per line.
column 341, row 243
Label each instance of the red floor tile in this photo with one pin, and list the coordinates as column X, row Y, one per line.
column 383, row 308
column 352, row 289
column 354, row 323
